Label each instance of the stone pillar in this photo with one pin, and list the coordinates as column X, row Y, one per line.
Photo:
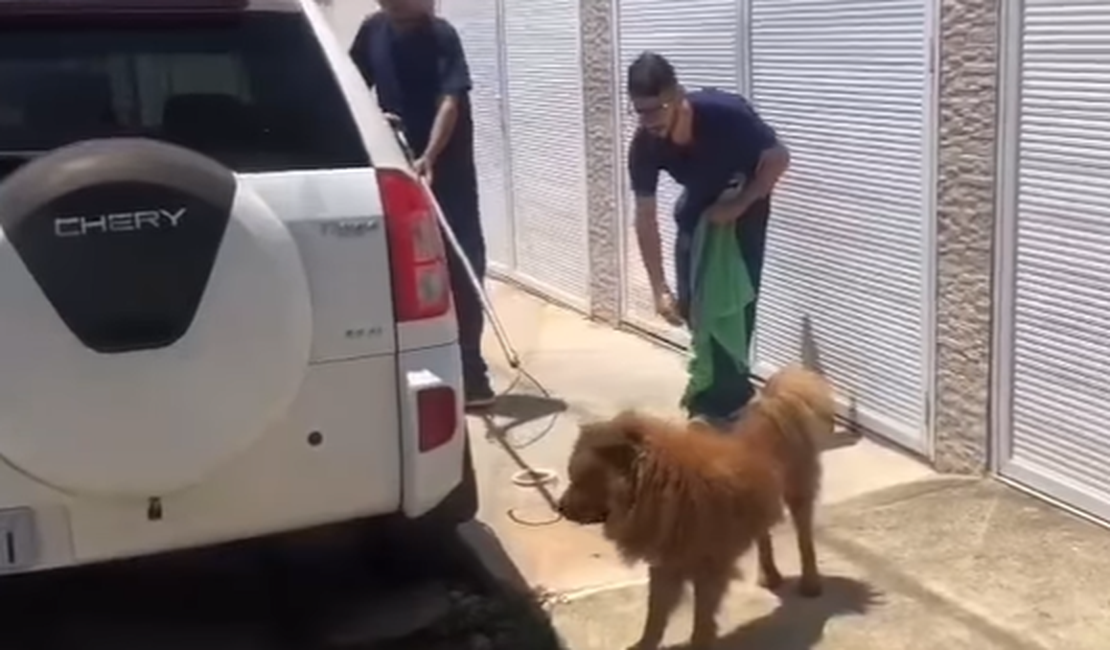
column 966, row 215
column 603, row 184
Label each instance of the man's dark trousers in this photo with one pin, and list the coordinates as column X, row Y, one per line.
column 456, row 190
column 731, row 391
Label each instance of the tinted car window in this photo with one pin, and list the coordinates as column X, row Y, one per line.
column 253, row 91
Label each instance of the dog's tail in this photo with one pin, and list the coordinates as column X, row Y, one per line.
column 801, row 403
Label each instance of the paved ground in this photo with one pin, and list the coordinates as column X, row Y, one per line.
column 342, row 589
column 915, row 561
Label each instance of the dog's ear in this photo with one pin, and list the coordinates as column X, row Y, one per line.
column 631, row 426
column 619, row 441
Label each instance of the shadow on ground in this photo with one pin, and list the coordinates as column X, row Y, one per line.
column 341, row 588
column 513, row 410
column 512, row 617
column 799, row 623
column 519, row 408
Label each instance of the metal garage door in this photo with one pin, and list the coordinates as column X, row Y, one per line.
column 478, row 24
column 1054, row 344
column 847, row 84
column 546, row 129
column 702, row 39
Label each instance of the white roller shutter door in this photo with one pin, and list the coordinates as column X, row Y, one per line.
column 847, row 85
column 546, row 131
column 1054, row 347
column 702, row 39
column 478, row 26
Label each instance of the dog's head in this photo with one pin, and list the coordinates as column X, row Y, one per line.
column 602, row 468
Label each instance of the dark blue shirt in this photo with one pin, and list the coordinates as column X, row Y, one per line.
column 412, row 70
column 728, row 139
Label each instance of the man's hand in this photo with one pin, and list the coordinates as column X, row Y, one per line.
column 667, row 307
column 423, row 168
column 725, row 213
column 773, row 163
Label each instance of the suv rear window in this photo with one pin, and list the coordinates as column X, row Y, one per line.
column 253, row 90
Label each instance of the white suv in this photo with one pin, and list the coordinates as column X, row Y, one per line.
column 224, row 303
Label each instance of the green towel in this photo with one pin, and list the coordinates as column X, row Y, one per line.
column 722, row 290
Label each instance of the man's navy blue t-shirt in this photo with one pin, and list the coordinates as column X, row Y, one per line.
column 412, row 70
column 728, row 139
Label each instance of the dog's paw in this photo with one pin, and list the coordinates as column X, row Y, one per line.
column 770, row 581
column 810, row 587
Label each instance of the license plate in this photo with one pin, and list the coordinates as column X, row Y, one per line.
column 19, row 544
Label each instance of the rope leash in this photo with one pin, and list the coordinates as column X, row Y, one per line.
column 526, row 477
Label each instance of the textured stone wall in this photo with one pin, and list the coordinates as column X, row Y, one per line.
column 969, row 73
column 601, row 148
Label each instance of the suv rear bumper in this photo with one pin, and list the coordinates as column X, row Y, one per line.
column 428, row 477
column 367, row 467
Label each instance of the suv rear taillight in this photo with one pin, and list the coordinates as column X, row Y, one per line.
column 421, row 287
column 437, row 417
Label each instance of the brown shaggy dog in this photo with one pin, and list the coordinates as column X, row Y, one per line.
column 690, row 500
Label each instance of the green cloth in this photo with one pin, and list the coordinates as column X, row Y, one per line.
column 722, row 290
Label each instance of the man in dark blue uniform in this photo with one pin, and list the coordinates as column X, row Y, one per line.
column 727, row 159
column 416, row 62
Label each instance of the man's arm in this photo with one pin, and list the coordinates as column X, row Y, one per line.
column 651, row 247
column 644, row 172
column 773, row 161
column 651, row 252
column 454, row 83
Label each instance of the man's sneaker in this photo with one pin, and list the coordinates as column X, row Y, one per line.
column 480, row 396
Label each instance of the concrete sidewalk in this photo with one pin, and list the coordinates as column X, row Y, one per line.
column 914, row 561
column 943, row 565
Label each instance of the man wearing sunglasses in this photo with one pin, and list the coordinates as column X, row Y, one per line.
column 727, row 160
column 416, row 62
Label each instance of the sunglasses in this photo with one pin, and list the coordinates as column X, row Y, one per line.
column 646, row 111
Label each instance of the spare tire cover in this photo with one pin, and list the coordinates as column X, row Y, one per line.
column 154, row 318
